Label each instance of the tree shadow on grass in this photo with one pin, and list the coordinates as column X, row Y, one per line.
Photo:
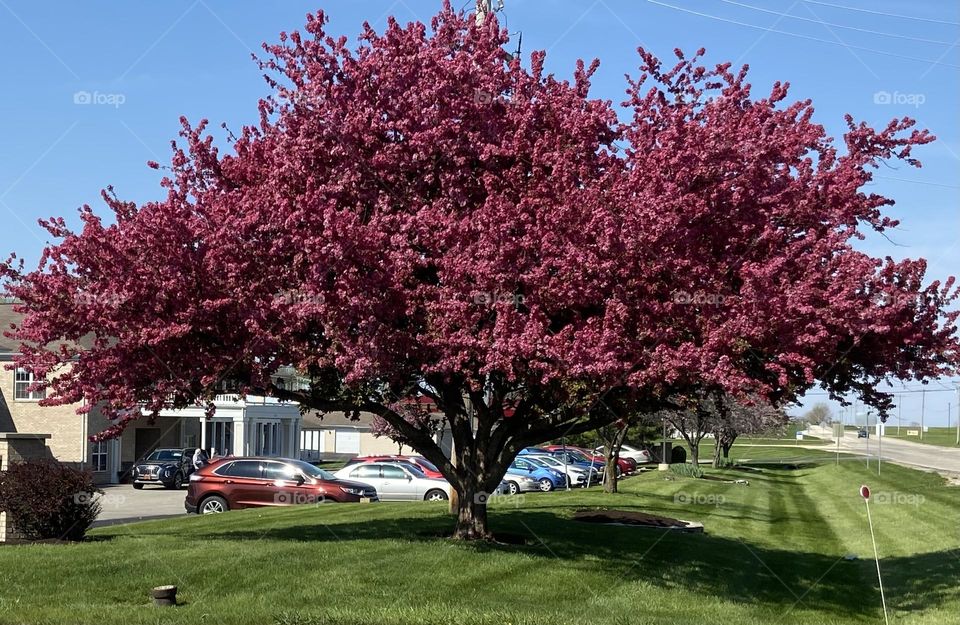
column 700, row 564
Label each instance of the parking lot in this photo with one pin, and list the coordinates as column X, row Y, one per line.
column 122, row 504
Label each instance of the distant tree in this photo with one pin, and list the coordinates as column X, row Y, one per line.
column 819, row 414
column 612, row 437
column 736, row 417
column 695, row 420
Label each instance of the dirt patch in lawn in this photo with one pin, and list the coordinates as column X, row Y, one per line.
column 634, row 519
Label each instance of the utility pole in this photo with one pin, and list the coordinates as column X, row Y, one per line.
column 923, row 406
column 483, row 9
column 899, row 412
column 880, row 422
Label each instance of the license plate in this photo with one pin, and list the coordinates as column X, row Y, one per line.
column 148, row 477
column 365, row 500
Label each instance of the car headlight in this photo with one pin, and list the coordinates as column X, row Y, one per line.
column 353, row 490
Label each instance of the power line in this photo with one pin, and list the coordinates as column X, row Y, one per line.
column 897, row 15
column 895, row 392
column 822, row 23
column 818, row 39
column 931, row 184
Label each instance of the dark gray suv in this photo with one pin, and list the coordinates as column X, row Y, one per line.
column 170, row 468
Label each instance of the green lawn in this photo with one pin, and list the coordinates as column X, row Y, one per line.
column 807, row 440
column 773, row 553
column 946, row 437
column 787, row 437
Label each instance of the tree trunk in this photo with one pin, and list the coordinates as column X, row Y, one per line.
column 726, row 450
column 471, row 513
column 694, row 452
column 612, row 457
column 610, row 473
column 717, row 447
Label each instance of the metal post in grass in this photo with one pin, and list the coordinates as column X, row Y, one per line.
column 958, row 416
column 838, row 434
column 881, row 429
column 865, row 493
column 923, row 409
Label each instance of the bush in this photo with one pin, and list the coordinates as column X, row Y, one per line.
column 48, row 499
column 686, row 470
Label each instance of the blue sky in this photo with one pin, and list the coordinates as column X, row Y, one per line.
column 142, row 65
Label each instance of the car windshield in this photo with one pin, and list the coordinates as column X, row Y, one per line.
column 165, row 454
column 409, row 466
column 553, row 462
column 537, row 462
column 311, row 471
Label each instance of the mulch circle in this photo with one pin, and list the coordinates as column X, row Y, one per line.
column 637, row 519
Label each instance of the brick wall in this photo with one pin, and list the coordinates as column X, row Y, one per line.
column 65, row 426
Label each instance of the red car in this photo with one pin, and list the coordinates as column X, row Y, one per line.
column 624, row 465
column 232, row 483
column 429, row 469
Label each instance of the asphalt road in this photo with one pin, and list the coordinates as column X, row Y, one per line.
column 122, row 504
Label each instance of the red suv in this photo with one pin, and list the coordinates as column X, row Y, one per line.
column 233, row 483
column 428, row 468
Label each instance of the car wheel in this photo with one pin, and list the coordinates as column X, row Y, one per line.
column 546, row 485
column 138, row 486
column 619, row 473
column 514, row 488
column 213, row 504
column 178, row 481
column 435, row 495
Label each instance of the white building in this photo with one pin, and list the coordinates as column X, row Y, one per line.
column 256, row 426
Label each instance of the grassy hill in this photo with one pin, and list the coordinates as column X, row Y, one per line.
column 773, row 553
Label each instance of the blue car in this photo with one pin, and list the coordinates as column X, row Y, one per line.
column 547, row 479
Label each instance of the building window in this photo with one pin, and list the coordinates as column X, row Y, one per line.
column 98, row 456
column 21, row 385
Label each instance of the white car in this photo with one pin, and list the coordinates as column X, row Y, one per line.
column 576, row 475
column 640, row 456
column 397, row 481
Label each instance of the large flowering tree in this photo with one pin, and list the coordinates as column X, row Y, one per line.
column 426, row 216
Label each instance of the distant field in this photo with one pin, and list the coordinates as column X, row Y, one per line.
column 945, row 437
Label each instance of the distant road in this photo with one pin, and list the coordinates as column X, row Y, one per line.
column 908, row 453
